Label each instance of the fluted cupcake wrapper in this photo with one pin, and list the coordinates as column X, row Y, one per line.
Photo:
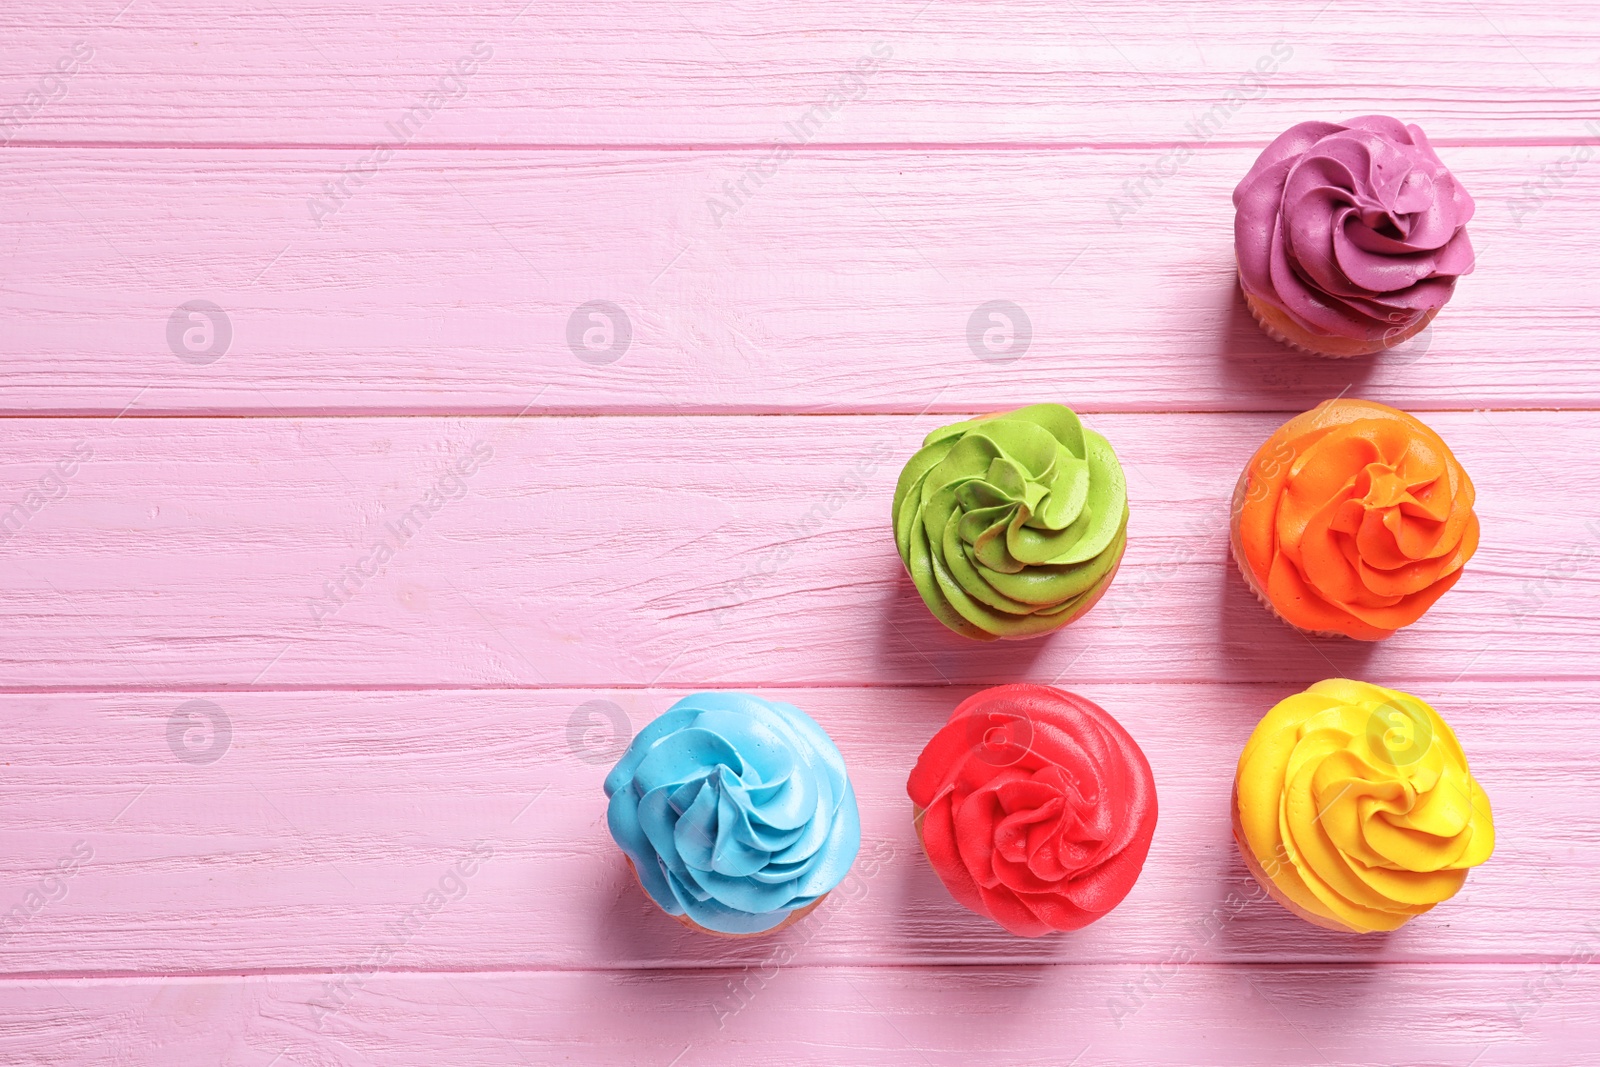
column 1259, row 873
column 794, row 916
column 1274, row 324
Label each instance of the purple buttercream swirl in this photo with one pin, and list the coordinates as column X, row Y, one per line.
column 1354, row 229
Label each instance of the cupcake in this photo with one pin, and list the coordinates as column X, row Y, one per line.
column 1354, row 807
column 735, row 813
column 1012, row 524
column 1349, row 236
column 1035, row 808
column 1353, row 519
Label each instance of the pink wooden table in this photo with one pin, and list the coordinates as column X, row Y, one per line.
column 404, row 402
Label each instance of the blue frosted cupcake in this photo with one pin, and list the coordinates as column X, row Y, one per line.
column 735, row 812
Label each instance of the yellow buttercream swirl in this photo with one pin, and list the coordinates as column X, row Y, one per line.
column 1357, row 804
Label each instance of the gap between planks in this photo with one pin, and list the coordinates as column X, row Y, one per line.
column 756, row 146
column 623, row 412
column 126, row 977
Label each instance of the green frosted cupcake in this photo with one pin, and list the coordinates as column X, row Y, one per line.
column 1012, row 525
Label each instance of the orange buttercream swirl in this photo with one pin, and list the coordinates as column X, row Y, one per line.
column 1354, row 518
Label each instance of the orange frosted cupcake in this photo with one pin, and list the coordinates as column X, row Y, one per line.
column 1353, row 519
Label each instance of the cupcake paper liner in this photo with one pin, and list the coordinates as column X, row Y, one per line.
column 1265, row 318
column 1260, row 875
column 794, row 916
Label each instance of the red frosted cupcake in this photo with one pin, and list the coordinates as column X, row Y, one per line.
column 1035, row 807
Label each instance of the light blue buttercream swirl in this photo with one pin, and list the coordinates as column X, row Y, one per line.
column 735, row 811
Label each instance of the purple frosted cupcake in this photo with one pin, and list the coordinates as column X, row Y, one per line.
column 1350, row 236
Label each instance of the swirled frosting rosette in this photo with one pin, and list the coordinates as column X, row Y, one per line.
column 1353, row 519
column 1355, row 809
column 1350, row 236
column 1012, row 524
column 1035, row 808
column 735, row 812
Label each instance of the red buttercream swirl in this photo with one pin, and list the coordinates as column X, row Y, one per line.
column 1035, row 808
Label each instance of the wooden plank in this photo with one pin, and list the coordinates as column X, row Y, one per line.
column 454, row 282
column 331, row 71
column 257, row 832
column 730, row 551
column 235, row 765
column 1040, row 1016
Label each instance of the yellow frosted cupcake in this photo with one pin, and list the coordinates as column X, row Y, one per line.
column 1354, row 807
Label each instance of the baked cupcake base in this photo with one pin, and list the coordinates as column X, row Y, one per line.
column 1260, row 875
column 794, row 916
column 1281, row 328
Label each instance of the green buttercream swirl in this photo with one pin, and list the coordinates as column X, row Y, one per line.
column 1011, row 525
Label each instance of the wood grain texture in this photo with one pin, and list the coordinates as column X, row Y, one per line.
column 258, row 808
column 298, row 831
column 1031, row 1016
column 448, row 282
column 337, row 71
column 727, row 551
